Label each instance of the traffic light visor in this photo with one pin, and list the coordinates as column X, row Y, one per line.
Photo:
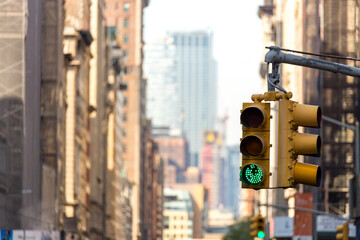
column 307, row 174
column 307, row 144
column 253, row 145
column 251, row 174
column 307, row 115
column 253, row 117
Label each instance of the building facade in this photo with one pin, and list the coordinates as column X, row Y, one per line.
column 178, row 214
column 77, row 41
column 231, row 185
column 196, row 76
column 163, row 94
column 127, row 17
column 174, row 152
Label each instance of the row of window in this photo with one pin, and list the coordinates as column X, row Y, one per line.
column 126, row 6
column 175, row 236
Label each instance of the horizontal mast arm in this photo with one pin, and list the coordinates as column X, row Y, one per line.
column 276, row 56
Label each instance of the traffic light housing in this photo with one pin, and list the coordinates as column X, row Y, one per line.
column 291, row 143
column 255, row 144
column 257, row 227
column 342, row 231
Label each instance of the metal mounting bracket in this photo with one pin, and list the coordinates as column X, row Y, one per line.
column 273, row 78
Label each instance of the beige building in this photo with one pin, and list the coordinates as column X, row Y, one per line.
column 199, row 196
column 178, row 214
column 77, row 40
column 99, row 113
column 285, row 18
column 127, row 17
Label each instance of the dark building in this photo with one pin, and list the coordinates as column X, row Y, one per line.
column 328, row 27
column 340, row 101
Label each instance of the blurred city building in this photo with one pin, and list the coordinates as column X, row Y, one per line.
column 174, row 151
column 220, row 220
column 32, row 101
column 76, row 151
column 247, row 204
column 127, row 17
column 163, row 95
column 77, row 41
column 12, row 114
column 178, row 214
column 196, row 76
column 199, row 196
column 192, row 175
column 52, row 110
column 210, row 166
column 153, row 181
column 118, row 189
column 231, row 186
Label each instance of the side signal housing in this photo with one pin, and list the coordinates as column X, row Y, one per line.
column 291, row 143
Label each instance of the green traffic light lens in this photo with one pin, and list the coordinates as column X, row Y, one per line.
column 251, row 174
column 261, row 234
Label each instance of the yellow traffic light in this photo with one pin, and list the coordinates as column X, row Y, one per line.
column 255, row 144
column 257, row 227
column 291, row 143
column 342, row 231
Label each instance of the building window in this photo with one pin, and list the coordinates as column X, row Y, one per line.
column 125, row 117
column 124, row 132
column 124, row 148
column 126, row 38
column 125, row 53
column 125, row 101
column 126, row 7
column 126, row 23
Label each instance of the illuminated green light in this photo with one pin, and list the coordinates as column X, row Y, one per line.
column 261, row 234
column 251, row 174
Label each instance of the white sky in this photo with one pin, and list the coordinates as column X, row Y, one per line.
column 237, row 45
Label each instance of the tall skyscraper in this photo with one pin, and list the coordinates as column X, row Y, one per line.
column 163, row 89
column 196, row 76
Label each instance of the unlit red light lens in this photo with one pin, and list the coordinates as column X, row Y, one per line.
column 253, row 146
column 252, row 117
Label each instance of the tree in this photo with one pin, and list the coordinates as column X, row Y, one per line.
column 239, row 230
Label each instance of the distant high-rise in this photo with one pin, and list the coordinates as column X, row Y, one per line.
column 196, row 76
column 231, row 185
column 163, row 89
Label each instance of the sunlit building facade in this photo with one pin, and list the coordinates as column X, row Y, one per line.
column 199, row 195
column 127, row 17
column 178, row 214
column 77, row 40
